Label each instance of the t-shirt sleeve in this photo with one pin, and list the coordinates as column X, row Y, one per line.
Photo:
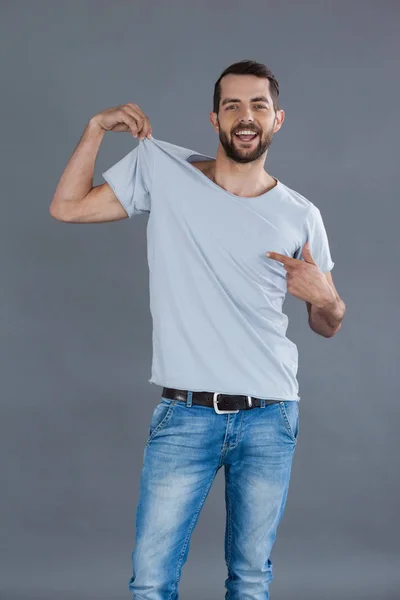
column 315, row 234
column 131, row 179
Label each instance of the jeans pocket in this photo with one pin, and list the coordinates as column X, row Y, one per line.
column 290, row 416
column 160, row 417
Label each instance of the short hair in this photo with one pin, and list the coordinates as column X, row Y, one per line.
column 249, row 67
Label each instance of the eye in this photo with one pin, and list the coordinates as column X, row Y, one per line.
column 260, row 106
column 231, row 106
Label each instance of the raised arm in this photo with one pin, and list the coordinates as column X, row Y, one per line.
column 76, row 200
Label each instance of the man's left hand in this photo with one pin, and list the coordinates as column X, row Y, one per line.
column 305, row 280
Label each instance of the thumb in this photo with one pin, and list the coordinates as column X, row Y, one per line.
column 307, row 254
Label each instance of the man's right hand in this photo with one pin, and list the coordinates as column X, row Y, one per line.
column 127, row 117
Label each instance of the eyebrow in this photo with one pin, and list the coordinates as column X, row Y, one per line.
column 257, row 99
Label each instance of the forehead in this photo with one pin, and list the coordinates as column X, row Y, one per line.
column 244, row 87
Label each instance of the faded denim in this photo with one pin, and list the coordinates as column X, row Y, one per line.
column 186, row 446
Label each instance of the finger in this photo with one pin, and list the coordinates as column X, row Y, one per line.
column 307, row 253
column 286, row 260
column 137, row 116
column 289, row 269
column 145, row 130
column 130, row 119
column 144, row 127
column 148, row 130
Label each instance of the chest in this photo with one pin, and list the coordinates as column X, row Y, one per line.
column 223, row 228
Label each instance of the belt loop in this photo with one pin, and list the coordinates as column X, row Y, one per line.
column 262, row 403
column 189, row 398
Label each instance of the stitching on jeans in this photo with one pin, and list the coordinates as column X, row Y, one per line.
column 229, row 532
column 163, row 422
column 287, row 422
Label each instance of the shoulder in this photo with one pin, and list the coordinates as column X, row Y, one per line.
column 294, row 197
column 205, row 166
column 174, row 150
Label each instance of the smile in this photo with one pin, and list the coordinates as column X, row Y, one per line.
column 246, row 138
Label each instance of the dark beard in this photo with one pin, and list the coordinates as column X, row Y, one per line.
column 244, row 156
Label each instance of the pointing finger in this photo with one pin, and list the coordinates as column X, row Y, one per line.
column 286, row 260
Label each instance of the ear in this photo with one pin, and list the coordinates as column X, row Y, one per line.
column 279, row 118
column 214, row 121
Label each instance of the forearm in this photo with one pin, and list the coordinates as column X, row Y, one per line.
column 77, row 178
column 326, row 320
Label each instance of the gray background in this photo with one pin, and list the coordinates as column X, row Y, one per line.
column 75, row 318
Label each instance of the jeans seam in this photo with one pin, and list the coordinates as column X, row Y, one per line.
column 163, row 422
column 229, row 532
column 287, row 422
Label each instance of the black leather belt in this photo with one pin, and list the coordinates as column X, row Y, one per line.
column 222, row 403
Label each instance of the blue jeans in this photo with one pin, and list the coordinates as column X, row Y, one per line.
column 187, row 445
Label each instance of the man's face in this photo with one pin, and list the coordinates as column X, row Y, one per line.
column 246, row 105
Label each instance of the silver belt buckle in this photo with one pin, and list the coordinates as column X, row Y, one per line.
column 222, row 412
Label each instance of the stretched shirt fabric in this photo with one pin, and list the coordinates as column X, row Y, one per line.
column 215, row 297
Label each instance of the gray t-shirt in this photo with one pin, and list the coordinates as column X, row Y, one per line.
column 215, row 297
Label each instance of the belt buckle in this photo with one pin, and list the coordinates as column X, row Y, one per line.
column 222, row 412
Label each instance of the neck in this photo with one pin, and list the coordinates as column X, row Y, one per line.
column 247, row 180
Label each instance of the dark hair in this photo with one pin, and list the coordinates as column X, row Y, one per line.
column 249, row 67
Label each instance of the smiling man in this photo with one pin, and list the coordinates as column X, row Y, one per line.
column 226, row 242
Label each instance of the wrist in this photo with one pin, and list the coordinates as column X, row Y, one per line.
column 95, row 126
column 326, row 302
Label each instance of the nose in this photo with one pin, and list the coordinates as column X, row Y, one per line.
column 246, row 114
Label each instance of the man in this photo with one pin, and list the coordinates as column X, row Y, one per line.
column 220, row 351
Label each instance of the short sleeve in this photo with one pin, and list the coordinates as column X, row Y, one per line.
column 316, row 235
column 131, row 179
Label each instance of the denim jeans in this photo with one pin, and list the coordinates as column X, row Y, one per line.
column 187, row 445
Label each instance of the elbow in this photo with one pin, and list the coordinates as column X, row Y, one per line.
column 56, row 212
column 53, row 210
column 53, row 213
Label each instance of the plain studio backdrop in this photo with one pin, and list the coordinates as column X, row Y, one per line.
column 76, row 324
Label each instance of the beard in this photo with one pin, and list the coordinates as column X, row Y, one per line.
column 245, row 152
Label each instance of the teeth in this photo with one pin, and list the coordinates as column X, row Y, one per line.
column 246, row 132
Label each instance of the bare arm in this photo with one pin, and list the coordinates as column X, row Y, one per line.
column 77, row 179
column 75, row 199
column 100, row 205
column 327, row 320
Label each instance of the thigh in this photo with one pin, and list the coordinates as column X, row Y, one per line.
column 257, row 481
column 179, row 468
